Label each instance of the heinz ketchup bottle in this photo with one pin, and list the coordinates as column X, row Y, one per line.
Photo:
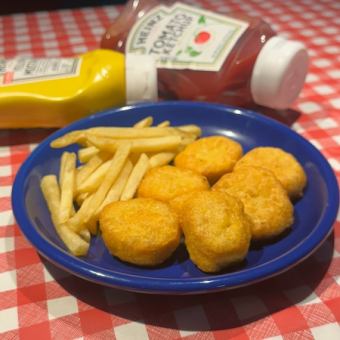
column 201, row 55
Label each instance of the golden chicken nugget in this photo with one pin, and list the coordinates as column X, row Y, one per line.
column 178, row 202
column 141, row 231
column 216, row 229
column 166, row 182
column 283, row 164
column 265, row 200
column 211, row 156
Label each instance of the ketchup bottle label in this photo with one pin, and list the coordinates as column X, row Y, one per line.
column 185, row 37
column 27, row 69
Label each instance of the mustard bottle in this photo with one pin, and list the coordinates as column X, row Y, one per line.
column 52, row 92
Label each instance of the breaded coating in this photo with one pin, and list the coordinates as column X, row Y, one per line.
column 178, row 203
column 216, row 229
column 141, row 231
column 265, row 200
column 210, row 156
column 166, row 182
column 283, row 164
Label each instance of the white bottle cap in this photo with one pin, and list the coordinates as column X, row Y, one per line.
column 279, row 73
column 141, row 78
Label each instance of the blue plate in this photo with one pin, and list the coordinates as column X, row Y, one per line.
column 314, row 213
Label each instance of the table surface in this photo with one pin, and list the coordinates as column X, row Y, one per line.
column 39, row 300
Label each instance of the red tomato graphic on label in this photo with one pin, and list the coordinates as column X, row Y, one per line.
column 202, row 37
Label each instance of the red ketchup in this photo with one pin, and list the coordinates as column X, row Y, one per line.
column 201, row 55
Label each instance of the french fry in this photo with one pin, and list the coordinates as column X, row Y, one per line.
column 160, row 159
column 85, row 154
column 137, row 145
column 51, row 191
column 61, row 176
column 156, row 144
column 116, row 167
column 85, row 235
column 83, row 216
column 79, row 136
column 186, row 141
column 76, row 222
column 73, row 137
column 81, row 198
column 74, row 243
column 87, row 169
column 120, row 133
column 165, row 123
column 117, row 188
column 94, row 180
column 144, row 123
column 67, row 183
column 135, row 177
column 191, row 129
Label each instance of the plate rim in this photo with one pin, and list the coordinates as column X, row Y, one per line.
column 210, row 283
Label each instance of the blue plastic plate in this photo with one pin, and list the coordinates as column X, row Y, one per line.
column 314, row 213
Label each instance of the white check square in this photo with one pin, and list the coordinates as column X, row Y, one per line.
column 309, row 107
column 329, row 332
column 5, row 191
column 335, row 103
column 6, row 245
column 5, row 170
column 326, row 123
column 335, row 164
column 311, row 78
column 335, row 74
column 8, row 281
column 4, row 150
column 63, row 306
column 6, row 218
column 9, row 319
column 132, row 331
column 324, row 89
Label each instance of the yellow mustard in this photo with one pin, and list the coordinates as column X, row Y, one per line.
column 53, row 92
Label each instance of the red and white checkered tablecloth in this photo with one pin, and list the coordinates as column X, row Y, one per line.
column 39, row 301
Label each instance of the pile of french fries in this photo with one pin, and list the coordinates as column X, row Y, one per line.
column 113, row 162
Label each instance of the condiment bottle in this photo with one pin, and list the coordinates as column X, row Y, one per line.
column 51, row 92
column 201, row 55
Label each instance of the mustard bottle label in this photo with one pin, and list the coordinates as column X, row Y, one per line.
column 185, row 37
column 28, row 70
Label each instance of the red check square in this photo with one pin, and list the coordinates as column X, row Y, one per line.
column 93, row 321
column 25, row 257
column 31, row 294
column 37, row 331
column 290, row 320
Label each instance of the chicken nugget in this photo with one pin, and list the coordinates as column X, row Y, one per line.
column 216, row 229
column 141, row 231
column 283, row 164
column 166, row 182
column 265, row 200
column 210, row 156
column 178, row 203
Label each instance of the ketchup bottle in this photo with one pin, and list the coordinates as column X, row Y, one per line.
column 201, row 55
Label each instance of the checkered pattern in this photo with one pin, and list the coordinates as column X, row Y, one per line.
column 37, row 300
